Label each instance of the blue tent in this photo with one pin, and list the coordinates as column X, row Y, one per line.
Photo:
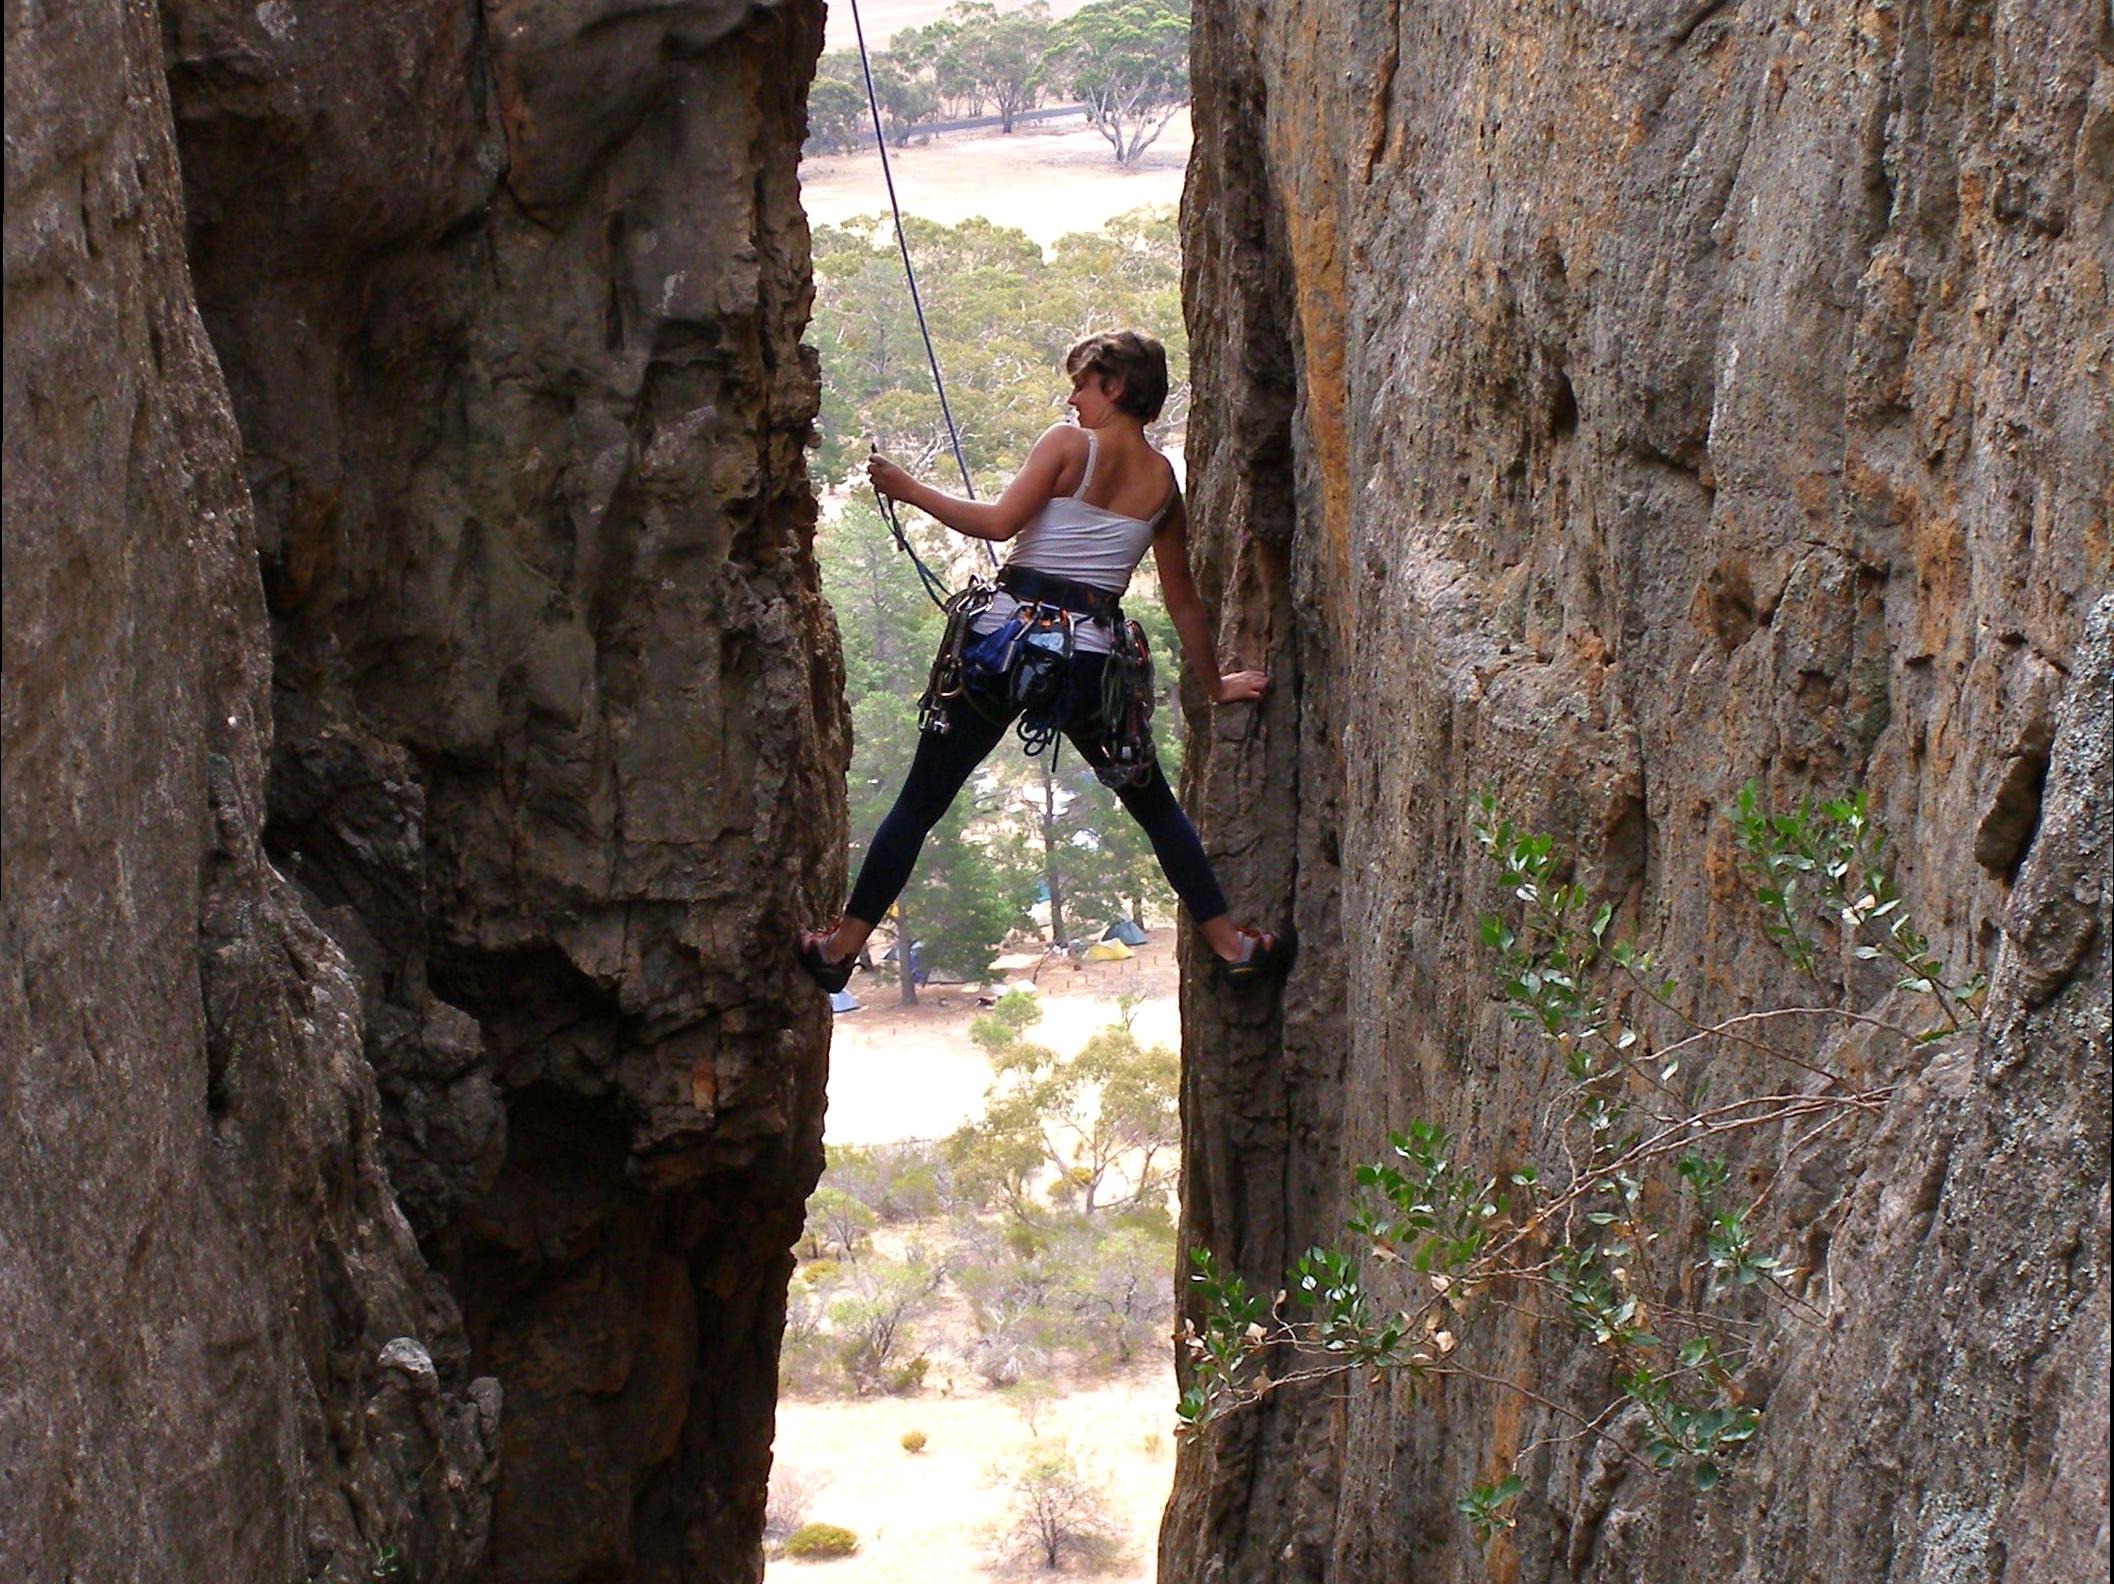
column 1126, row 932
column 843, row 1001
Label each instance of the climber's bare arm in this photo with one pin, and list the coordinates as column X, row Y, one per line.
column 1170, row 548
column 997, row 520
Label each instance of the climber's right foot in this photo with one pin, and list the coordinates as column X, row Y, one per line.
column 833, row 974
column 1265, row 954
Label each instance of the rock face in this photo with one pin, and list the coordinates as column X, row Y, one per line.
column 221, row 1354
column 509, row 301
column 497, row 1066
column 1606, row 407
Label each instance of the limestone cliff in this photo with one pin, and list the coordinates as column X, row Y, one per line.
column 1605, row 406
column 442, row 885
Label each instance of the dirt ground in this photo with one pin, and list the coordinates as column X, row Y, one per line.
column 1047, row 181
column 898, row 1072
column 930, row 1518
column 912, row 1072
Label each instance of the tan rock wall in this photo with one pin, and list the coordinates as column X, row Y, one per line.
column 1607, row 407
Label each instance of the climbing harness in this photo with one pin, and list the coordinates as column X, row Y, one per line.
column 1022, row 666
column 1025, row 664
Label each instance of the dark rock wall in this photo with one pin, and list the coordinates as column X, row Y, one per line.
column 396, row 991
column 509, row 299
column 1607, row 405
column 221, row 1354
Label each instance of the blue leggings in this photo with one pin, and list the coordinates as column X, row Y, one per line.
column 944, row 761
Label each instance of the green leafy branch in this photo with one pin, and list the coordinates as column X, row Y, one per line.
column 1433, row 1250
column 1829, row 857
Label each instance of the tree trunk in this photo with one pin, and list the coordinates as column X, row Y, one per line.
column 903, row 968
column 1050, row 877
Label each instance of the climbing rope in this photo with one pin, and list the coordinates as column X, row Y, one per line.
column 934, row 586
column 917, row 303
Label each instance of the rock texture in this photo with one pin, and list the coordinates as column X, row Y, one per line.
column 509, row 300
column 1607, row 406
column 397, row 995
column 221, row 1354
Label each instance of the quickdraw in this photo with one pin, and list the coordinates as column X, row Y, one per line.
column 1127, row 688
column 1023, row 666
column 1039, row 681
column 948, row 679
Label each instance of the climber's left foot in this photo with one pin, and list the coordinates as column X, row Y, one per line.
column 833, row 974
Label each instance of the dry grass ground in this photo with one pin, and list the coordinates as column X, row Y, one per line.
column 929, row 1518
column 913, row 1072
column 1046, row 181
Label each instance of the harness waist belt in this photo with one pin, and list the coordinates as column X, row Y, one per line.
column 1081, row 599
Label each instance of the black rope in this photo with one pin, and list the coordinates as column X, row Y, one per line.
column 935, row 588
column 910, row 274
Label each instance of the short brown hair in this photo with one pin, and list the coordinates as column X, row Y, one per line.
column 1131, row 356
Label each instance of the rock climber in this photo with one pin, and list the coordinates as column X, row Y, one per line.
column 1048, row 646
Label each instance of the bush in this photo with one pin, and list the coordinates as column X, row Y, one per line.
column 806, row 1354
column 1632, row 1144
column 897, row 1182
column 793, row 1492
column 871, row 1325
column 1149, row 1218
column 1058, row 1515
column 821, row 1540
column 835, row 1220
column 905, row 1378
column 913, row 1442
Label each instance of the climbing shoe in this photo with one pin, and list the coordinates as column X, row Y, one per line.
column 1265, row 954
column 832, row 976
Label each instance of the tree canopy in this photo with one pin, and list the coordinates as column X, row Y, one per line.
column 1126, row 61
column 1129, row 61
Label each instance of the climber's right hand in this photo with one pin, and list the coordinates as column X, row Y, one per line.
column 887, row 478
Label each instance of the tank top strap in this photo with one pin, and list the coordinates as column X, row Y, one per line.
column 1174, row 493
column 1093, row 455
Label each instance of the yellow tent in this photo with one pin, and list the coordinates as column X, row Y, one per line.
column 1107, row 951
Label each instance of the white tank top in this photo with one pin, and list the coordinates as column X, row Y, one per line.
column 1082, row 543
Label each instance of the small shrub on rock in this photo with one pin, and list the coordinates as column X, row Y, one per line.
column 913, row 1442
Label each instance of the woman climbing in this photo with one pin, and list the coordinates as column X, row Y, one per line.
column 1049, row 640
